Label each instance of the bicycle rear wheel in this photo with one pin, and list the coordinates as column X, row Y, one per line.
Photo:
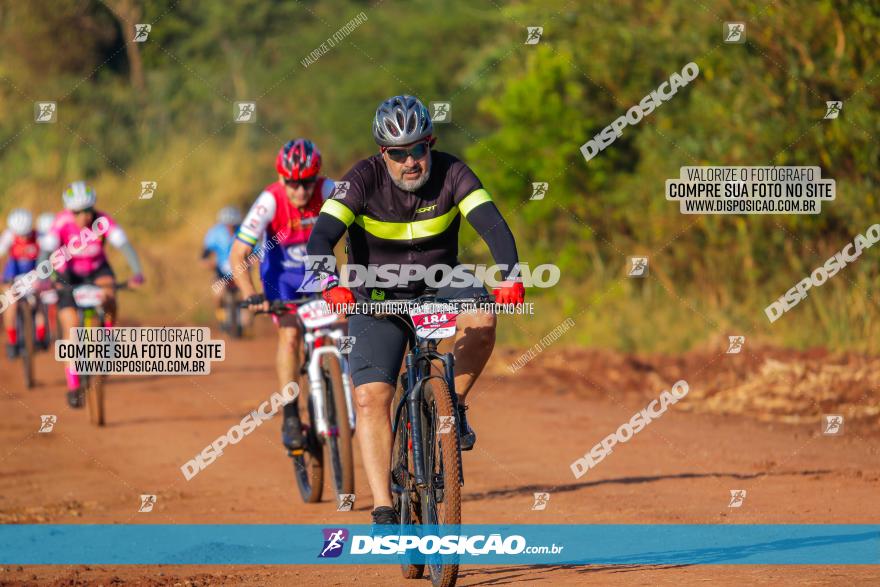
column 308, row 464
column 232, row 317
column 339, row 444
column 441, row 499
column 25, row 325
column 404, row 496
column 94, row 384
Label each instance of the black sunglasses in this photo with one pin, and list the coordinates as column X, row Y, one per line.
column 85, row 211
column 417, row 152
column 300, row 182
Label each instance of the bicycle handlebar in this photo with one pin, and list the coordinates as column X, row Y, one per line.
column 280, row 307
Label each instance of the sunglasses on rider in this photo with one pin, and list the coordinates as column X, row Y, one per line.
column 399, row 155
column 84, row 211
column 304, row 183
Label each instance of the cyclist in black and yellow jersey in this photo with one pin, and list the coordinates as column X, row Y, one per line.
column 404, row 206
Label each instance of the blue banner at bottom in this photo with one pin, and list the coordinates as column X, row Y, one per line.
column 623, row 544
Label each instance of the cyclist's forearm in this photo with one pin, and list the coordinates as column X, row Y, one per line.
column 490, row 225
column 241, row 269
column 326, row 233
column 131, row 257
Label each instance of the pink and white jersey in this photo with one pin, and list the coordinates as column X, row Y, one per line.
column 84, row 245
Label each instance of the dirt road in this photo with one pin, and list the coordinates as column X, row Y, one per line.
column 531, row 426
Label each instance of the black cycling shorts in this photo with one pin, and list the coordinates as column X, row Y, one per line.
column 69, row 279
column 380, row 343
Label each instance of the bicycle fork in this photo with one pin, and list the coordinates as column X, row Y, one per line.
column 318, row 392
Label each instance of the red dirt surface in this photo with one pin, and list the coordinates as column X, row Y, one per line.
column 751, row 421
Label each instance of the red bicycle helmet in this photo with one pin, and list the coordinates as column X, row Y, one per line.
column 298, row 159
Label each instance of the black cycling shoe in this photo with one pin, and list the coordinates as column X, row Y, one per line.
column 468, row 436
column 11, row 350
column 291, row 428
column 75, row 398
column 385, row 516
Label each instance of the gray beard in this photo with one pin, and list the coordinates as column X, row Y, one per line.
column 414, row 184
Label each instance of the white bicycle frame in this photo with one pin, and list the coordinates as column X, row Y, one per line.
column 317, row 392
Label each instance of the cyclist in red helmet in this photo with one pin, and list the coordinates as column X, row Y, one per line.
column 284, row 213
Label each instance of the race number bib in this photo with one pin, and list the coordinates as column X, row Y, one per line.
column 433, row 320
column 316, row 314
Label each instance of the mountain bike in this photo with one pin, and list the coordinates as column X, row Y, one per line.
column 426, row 469
column 29, row 308
column 330, row 424
column 232, row 319
column 90, row 312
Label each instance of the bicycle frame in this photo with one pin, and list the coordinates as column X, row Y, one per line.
column 314, row 353
column 418, row 371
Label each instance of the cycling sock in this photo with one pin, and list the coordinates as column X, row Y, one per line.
column 41, row 332
column 72, row 378
column 12, row 335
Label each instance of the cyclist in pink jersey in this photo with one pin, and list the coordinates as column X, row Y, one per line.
column 82, row 232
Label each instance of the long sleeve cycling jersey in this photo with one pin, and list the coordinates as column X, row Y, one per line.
column 388, row 225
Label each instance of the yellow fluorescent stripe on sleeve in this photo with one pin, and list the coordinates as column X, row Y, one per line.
column 337, row 210
column 398, row 231
column 474, row 199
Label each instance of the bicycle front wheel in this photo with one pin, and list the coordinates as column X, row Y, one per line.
column 403, row 490
column 441, row 499
column 308, row 463
column 339, row 442
column 25, row 325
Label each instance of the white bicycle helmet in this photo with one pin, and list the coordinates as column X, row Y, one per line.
column 44, row 222
column 20, row 222
column 78, row 196
column 229, row 215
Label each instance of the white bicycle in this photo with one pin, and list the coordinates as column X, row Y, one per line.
column 329, row 416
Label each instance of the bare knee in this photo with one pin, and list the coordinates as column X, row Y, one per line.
column 373, row 398
column 479, row 327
